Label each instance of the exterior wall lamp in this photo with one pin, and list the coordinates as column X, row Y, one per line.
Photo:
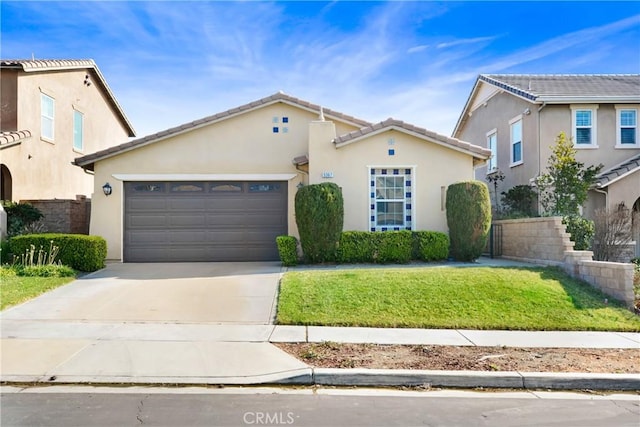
column 106, row 189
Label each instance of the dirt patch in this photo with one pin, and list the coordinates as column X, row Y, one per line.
column 432, row 357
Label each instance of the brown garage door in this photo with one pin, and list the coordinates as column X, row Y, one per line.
column 203, row 221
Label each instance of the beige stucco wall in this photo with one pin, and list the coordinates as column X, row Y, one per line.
column 242, row 145
column 434, row 167
column 42, row 169
column 546, row 121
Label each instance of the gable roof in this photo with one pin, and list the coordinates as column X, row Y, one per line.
column 88, row 161
column 559, row 89
column 43, row 65
column 398, row 125
column 608, row 177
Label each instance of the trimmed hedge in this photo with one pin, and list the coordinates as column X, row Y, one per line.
column 78, row 251
column 392, row 246
column 430, row 245
column 469, row 219
column 288, row 250
column 319, row 216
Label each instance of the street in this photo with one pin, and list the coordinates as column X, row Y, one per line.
column 134, row 406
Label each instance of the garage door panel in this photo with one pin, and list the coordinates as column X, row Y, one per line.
column 207, row 225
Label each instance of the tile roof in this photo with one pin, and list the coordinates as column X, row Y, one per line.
column 13, row 137
column 40, row 65
column 566, row 87
column 604, row 179
column 88, row 160
column 390, row 123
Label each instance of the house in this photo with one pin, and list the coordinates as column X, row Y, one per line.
column 52, row 112
column 223, row 187
column 518, row 118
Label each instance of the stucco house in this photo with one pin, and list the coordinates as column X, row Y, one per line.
column 53, row 111
column 518, row 117
column 222, row 188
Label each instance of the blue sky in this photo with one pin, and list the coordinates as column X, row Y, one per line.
column 169, row 63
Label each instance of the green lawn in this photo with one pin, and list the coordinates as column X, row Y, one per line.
column 17, row 289
column 464, row 298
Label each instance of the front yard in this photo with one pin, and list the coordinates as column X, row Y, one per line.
column 445, row 297
column 18, row 289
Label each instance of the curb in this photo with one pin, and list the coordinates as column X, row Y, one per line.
column 360, row 377
column 475, row 379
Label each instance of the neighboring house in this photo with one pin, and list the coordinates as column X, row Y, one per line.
column 223, row 187
column 518, row 118
column 53, row 111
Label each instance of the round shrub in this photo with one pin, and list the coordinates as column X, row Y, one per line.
column 319, row 216
column 469, row 219
column 288, row 250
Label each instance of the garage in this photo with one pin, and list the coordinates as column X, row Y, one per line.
column 180, row 221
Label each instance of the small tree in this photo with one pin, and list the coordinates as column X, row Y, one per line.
column 564, row 188
column 493, row 178
column 469, row 219
column 21, row 217
column 319, row 216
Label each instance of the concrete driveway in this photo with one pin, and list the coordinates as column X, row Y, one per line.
column 220, row 293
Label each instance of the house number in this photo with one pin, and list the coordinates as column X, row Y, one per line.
column 327, row 174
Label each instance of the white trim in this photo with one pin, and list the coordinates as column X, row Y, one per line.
column 516, row 119
column 594, row 125
column 206, row 177
column 493, row 159
column 52, row 118
column 619, row 145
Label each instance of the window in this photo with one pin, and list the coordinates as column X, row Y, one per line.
column 584, row 126
column 492, row 140
column 78, row 130
column 390, row 199
column 516, row 141
column 627, row 129
column 47, row 111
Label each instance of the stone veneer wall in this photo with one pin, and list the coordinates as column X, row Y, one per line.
column 545, row 241
column 64, row 215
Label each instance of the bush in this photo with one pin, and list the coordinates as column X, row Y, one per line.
column 5, row 252
column 392, row 246
column 20, row 216
column 288, row 250
column 357, row 247
column 520, row 201
column 78, row 251
column 49, row 270
column 469, row 219
column 581, row 230
column 319, row 216
column 430, row 246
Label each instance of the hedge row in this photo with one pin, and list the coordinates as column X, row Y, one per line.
column 78, row 251
column 397, row 247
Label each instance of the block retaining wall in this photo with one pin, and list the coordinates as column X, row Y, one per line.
column 545, row 241
column 64, row 215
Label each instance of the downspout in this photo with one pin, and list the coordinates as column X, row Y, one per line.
column 606, row 196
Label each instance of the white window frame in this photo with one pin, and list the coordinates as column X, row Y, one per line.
column 409, row 221
column 400, row 200
column 513, row 121
column 619, row 110
column 492, row 163
column 77, row 113
column 44, row 117
column 594, row 126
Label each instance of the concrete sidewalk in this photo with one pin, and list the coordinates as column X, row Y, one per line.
column 187, row 354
